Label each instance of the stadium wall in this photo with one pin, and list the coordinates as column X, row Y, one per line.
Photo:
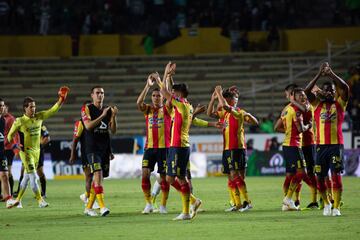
column 35, row 46
column 191, row 41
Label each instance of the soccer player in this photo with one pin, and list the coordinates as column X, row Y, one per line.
column 10, row 147
column 179, row 152
column 79, row 136
column 329, row 111
column 234, row 153
column 158, row 123
column 98, row 120
column 4, row 177
column 291, row 122
column 308, row 148
column 308, row 151
column 45, row 139
column 29, row 128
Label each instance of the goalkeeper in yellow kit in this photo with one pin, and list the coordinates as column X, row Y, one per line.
column 29, row 128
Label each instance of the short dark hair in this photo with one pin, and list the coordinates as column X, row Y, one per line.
column 2, row 100
column 229, row 94
column 181, row 87
column 290, row 87
column 328, row 83
column 92, row 89
column 26, row 102
column 156, row 90
column 297, row 91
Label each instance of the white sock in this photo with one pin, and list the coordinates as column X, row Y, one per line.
column 33, row 183
column 156, row 189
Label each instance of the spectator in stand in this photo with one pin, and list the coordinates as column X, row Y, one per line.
column 354, row 8
column 274, row 144
column 4, row 15
column 267, row 125
column 181, row 18
column 244, row 41
column 148, row 43
column 44, row 18
column 234, row 32
column 273, row 39
column 250, row 144
column 106, row 20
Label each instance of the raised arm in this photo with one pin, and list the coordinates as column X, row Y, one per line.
column 341, row 86
column 222, row 101
column 140, row 101
column 211, row 110
column 164, row 91
column 168, row 75
column 308, row 89
column 63, row 92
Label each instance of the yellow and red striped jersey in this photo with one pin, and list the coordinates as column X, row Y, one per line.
column 233, row 132
column 308, row 136
column 329, row 117
column 78, row 129
column 158, row 124
column 182, row 119
column 289, row 116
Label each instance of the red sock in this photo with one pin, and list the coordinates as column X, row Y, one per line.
column 165, row 186
column 176, row 185
column 298, row 189
column 98, row 190
column 145, row 184
column 185, row 188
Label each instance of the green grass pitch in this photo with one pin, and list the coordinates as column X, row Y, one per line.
column 63, row 219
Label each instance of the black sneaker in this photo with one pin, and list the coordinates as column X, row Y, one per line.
column 332, row 203
column 313, row 205
column 297, row 203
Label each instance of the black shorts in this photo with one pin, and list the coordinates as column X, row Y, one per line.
column 329, row 156
column 84, row 161
column 99, row 161
column 153, row 156
column 3, row 165
column 294, row 158
column 9, row 156
column 41, row 159
column 310, row 156
column 177, row 161
column 233, row 160
column 83, row 158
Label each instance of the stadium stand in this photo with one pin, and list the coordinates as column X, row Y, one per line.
column 260, row 77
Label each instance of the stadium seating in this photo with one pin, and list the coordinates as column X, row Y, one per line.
column 260, row 77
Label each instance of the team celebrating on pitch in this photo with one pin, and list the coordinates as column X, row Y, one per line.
column 312, row 147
